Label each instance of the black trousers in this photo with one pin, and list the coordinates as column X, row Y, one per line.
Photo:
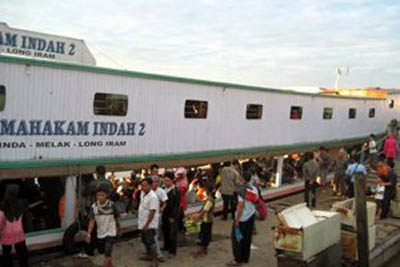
column 181, row 225
column 350, row 189
column 386, row 206
column 105, row 245
column 340, row 183
column 89, row 248
column 149, row 241
column 390, row 160
column 310, row 187
column 241, row 250
column 170, row 231
column 205, row 234
column 22, row 254
column 230, row 203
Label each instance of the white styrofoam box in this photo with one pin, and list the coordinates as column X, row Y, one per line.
column 298, row 216
column 349, row 242
column 347, row 212
column 395, row 208
column 397, row 192
column 318, row 230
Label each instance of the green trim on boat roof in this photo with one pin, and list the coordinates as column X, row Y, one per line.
column 168, row 157
column 109, row 71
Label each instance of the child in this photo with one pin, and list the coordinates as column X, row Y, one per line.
column 382, row 173
column 107, row 221
column 206, row 215
column 379, row 194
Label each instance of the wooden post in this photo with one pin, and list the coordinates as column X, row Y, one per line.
column 362, row 223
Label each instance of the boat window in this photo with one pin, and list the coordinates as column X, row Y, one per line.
column 110, row 104
column 352, row 113
column 371, row 112
column 196, row 109
column 254, row 111
column 391, row 103
column 2, row 97
column 296, row 112
column 328, row 114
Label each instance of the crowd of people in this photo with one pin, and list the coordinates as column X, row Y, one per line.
column 160, row 199
column 374, row 158
column 161, row 202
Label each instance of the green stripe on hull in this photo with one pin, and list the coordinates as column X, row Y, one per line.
column 45, row 232
column 183, row 156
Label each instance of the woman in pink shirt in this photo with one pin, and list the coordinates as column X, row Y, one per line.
column 11, row 230
column 390, row 147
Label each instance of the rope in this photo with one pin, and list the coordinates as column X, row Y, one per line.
column 108, row 57
column 79, row 198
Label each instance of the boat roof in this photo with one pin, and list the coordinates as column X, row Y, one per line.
column 126, row 73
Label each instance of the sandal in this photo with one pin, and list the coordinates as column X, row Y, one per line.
column 145, row 258
column 233, row 263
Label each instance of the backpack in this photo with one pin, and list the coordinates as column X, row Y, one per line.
column 262, row 209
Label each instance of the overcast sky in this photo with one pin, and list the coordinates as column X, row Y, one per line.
column 269, row 43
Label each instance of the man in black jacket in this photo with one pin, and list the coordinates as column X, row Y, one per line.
column 170, row 215
column 390, row 189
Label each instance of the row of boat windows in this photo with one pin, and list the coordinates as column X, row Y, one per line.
column 117, row 105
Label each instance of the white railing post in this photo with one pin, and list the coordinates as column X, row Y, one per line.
column 278, row 176
column 70, row 201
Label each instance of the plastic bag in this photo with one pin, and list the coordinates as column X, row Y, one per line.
column 238, row 234
column 192, row 227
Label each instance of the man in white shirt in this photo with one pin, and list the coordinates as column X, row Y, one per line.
column 373, row 151
column 162, row 197
column 148, row 219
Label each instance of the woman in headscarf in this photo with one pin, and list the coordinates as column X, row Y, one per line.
column 183, row 186
column 11, row 230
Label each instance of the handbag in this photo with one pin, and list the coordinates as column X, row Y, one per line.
column 262, row 209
